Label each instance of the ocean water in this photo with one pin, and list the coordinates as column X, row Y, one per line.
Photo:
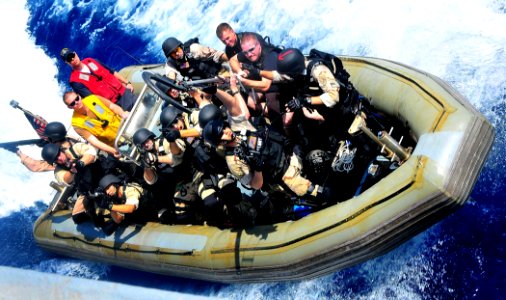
column 462, row 42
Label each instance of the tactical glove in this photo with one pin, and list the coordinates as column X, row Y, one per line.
column 298, row 103
column 172, row 135
column 253, row 72
column 79, row 165
column 149, row 159
column 257, row 163
column 104, row 203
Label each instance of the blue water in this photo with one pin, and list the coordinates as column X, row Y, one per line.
column 463, row 256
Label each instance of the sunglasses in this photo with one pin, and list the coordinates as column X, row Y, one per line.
column 250, row 50
column 70, row 57
column 73, row 103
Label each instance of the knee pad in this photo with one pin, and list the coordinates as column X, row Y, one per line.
column 211, row 201
column 231, row 194
column 80, row 217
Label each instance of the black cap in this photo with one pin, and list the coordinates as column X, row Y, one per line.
column 65, row 52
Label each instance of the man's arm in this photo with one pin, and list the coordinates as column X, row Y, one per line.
column 114, row 107
column 235, row 64
column 63, row 176
column 34, row 165
column 235, row 104
column 120, row 77
column 259, row 85
column 95, row 142
column 328, row 84
column 171, row 72
column 123, row 208
column 257, row 180
column 80, row 89
column 201, row 52
column 123, row 80
column 174, row 150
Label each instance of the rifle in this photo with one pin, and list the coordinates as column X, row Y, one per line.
column 13, row 146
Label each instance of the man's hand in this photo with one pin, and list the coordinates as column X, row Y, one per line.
column 79, row 165
column 130, row 86
column 253, row 72
column 257, row 163
column 312, row 114
column 172, row 135
column 298, row 103
column 149, row 159
column 104, row 203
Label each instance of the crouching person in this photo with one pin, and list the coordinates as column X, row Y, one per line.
column 75, row 164
column 125, row 200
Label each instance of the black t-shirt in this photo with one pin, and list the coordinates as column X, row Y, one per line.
column 267, row 61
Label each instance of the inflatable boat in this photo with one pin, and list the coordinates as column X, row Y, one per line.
column 435, row 178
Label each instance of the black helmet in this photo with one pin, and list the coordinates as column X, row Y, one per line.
column 169, row 45
column 107, row 180
column 55, row 132
column 317, row 164
column 169, row 116
column 50, row 153
column 213, row 131
column 291, row 61
column 208, row 113
column 141, row 136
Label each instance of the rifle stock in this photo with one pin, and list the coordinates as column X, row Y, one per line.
column 13, row 146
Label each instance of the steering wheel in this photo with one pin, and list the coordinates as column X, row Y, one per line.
column 163, row 81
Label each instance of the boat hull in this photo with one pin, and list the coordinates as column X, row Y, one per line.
column 453, row 141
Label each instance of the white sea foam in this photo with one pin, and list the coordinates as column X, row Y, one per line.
column 28, row 77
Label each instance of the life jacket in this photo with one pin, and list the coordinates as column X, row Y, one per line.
column 197, row 69
column 100, row 81
column 104, row 127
